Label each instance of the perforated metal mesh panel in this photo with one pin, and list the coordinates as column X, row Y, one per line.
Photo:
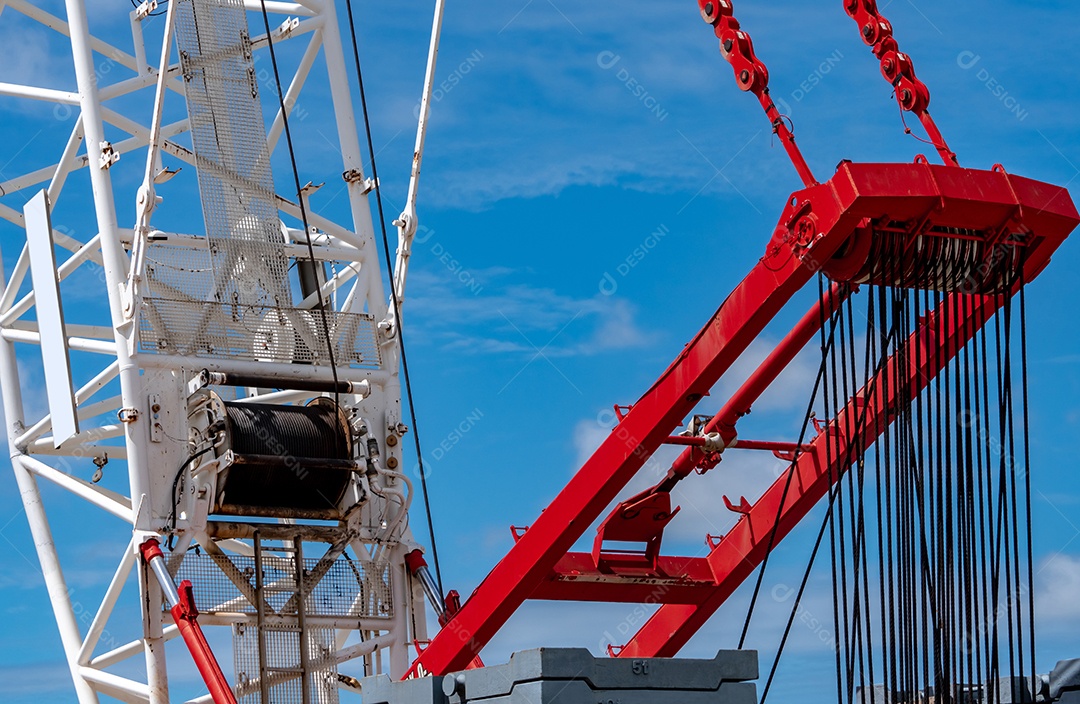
column 257, row 333
column 346, row 589
column 228, row 295
column 212, row 269
column 229, row 137
column 282, row 665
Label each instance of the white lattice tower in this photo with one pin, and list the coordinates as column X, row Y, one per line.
column 163, row 295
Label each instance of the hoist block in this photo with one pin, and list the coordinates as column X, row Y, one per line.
column 925, row 226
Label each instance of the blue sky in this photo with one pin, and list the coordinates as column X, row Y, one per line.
column 579, row 232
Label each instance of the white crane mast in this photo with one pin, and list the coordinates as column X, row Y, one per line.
column 246, row 375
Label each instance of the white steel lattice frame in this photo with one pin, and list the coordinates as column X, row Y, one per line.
column 38, row 457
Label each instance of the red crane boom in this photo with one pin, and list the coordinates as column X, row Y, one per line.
column 912, row 216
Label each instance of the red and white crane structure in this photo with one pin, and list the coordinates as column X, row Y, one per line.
column 247, row 376
column 915, row 225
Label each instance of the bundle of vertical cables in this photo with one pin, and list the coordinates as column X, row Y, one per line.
column 928, row 523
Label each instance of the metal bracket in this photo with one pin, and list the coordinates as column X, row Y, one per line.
column 743, row 507
column 356, row 176
column 108, row 156
column 287, row 27
column 143, row 11
column 127, row 415
column 157, row 431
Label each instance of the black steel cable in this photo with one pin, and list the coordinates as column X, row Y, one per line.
column 979, row 367
column 894, row 665
column 883, row 497
column 941, row 683
column 1015, row 532
column 1005, row 525
column 896, row 471
column 839, row 380
column 394, row 300
column 990, row 550
column 921, row 306
column 967, row 498
column 799, row 595
column 313, row 431
column 948, row 580
column 300, row 199
column 866, row 648
column 832, row 522
column 1027, row 466
column 791, row 469
column 847, row 364
column 170, row 520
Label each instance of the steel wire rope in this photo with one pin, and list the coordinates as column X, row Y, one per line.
column 978, row 506
column 791, row 469
column 835, row 489
column 845, row 612
column 1015, row 533
column 883, row 496
column 394, row 299
column 1027, row 465
column 968, row 503
column 833, row 481
column 302, row 201
column 866, row 634
column 1004, row 527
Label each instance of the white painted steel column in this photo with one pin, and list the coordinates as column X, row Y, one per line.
column 351, row 153
column 114, row 261
column 407, row 222
column 59, row 596
column 399, row 630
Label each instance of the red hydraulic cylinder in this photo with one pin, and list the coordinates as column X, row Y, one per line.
column 182, row 607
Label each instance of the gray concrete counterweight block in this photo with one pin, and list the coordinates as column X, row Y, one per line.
column 575, row 676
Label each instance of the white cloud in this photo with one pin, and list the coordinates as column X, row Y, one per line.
column 504, row 317
column 31, row 54
column 1056, row 605
column 523, row 122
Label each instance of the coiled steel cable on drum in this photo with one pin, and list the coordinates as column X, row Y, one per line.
column 313, row 431
column 286, row 458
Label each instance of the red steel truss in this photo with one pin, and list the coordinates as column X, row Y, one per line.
column 835, row 227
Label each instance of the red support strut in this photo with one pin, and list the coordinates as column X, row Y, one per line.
column 832, row 227
column 182, row 607
column 752, row 75
column 898, row 69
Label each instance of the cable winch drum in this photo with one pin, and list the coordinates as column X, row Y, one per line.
column 286, row 458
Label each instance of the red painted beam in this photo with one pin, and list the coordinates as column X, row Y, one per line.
column 680, row 580
column 814, row 224
column 740, row 319
column 761, row 379
column 742, row 550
